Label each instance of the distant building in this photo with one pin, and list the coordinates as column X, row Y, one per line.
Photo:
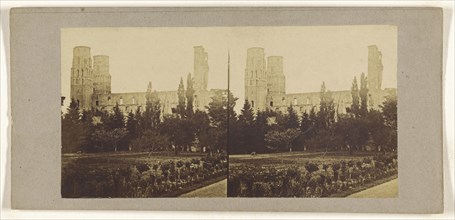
column 265, row 85
column 91, row 85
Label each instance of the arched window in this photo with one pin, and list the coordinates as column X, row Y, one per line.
column 271, row 103
column 133, row 101
column 121, row 101
column 252, row 104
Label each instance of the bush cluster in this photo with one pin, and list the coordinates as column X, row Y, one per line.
column 313, row 180
column 141, row 180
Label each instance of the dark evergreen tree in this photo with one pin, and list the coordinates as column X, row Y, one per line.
column 292, row 119
column 117, row 118
column 363, row 94
column 181, row 99
column 245, row 131
column 72, row 130
column 218, row 109
column 132, row 126
column 202, row 129
column 189, row 95
column 152, row 114
column 355, row 107
column 261, row 128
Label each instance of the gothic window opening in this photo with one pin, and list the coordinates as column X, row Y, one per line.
column 121, row 101
column 97, row 103
column 133, row 101
column 271, row 103
column 252, row 104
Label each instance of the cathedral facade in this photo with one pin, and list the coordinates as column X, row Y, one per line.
column 91, row 85
column 265, row 85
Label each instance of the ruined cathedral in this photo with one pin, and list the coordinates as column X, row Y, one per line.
column 265, row 85
column 91, row 85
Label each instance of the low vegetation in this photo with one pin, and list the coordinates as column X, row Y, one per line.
column 314, row 178
column 166, row 178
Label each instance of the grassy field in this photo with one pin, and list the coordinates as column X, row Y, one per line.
column 293, row 158
column 119, row 159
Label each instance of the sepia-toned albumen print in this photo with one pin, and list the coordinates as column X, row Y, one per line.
column 235, row 111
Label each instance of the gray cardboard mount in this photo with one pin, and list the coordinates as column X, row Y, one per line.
column 35, row 103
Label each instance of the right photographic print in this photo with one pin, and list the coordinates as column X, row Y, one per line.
column 315, row 113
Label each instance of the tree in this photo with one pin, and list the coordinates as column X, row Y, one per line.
column 363, row 94
column 150, row 141
column 132, row 126
column 326, row 115
column 306, row 127
column 217, row 110
column 181, row 99
column 117, row 118
column 201, row 125
column 354, row 132
column 245, row 130
column 380, row 134
column 179, row 130
column 152, row 114
column 291, row 119
column 109, row 139
column 73, row 135
column 281, row 140
column 261, row 128
column 189, row 95
column 389, row 111
column 355, row 107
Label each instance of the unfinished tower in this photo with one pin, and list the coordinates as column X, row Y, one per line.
column 82, row 77
column 256, row 78
column 201, row 68
column 276, row 81
column 374, row 75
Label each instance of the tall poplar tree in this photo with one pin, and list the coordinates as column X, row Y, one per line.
column 181, row 99
column 355, row 107
column 363, row 93
column 189, row 95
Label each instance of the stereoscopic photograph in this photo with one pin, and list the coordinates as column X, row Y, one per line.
column 303, row 111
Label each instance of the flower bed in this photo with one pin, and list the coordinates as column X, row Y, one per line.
column 315, row 179
column 141, row 180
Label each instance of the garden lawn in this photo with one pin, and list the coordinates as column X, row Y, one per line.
column 122, row 159
column 292, row 158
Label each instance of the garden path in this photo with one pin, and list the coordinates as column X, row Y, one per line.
column 218, row 189
column 385, row 190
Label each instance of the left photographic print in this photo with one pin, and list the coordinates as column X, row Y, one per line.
column 141, row 116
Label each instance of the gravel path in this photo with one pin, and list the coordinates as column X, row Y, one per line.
column 385, row 190
column 218, row 189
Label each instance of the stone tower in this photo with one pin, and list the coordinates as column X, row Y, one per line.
column 102, row 78
column 374, row 75
column 201, row 68
column 82, row 77
column 256, row 78
column 276, row 81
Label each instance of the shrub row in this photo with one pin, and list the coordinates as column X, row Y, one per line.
column 141, row 180
column 316, row 179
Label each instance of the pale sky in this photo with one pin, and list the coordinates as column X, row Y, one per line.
column 311, row 54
